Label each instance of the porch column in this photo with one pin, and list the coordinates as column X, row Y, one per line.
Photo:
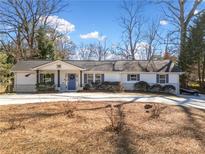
column 37, row 76
column 58, row 78
column 81, row 78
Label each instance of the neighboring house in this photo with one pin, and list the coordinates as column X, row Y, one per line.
column 72, row 75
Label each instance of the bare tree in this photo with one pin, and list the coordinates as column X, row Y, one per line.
column 95, row 51
column 180, row 13
column 101, row 50
column 84, row 52
column 170, row 42
column 20, row 20
column 152, row 40
column 131, row 23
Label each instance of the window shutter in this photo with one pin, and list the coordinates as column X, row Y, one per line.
column 138, row 77
column 167, row 78
column 157, row 78
column 85, row 78
column 103, row 77
column 128, row 77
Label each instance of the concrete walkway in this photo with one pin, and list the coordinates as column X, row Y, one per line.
column 194, row 101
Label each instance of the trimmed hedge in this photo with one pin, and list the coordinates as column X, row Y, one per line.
column 86, row 87
column 45, row 87
column 169, row 89
column 142, row 86
column 145, row 87
column 156, row 88
column 105, row 86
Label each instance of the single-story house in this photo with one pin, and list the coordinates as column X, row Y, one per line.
column 72, row 75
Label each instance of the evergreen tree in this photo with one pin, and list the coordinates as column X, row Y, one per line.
column 196, row 49
column 4, row 69
column 45, row 45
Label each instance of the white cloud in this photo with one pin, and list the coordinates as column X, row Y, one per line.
column 61, row 25
column 163, row 22
column 93, row 35
column 196, row 11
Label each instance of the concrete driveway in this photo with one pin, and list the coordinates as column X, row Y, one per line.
column 194, row 101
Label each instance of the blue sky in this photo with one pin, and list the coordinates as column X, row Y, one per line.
column 102, row 16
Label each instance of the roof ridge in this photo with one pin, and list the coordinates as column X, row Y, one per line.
column 90, row 60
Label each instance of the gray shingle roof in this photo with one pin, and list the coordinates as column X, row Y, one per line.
column 119, row 65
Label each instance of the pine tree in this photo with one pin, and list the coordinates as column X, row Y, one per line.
column 4, row 69
column 196, row 49
column 45, row 46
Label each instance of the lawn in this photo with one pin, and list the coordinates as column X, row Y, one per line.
column 90, row 128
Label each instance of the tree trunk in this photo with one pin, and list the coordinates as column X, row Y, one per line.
column 203, row 74
column 199, row 72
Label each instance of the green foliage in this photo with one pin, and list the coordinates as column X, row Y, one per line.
column 105, row 86
column 156, row 88
column 45, row 45
column 145, row 87
column 5, row 74
column 45, row 87
column 142, row 86
column 195, row 47
column 86, row 87
column 169, row 89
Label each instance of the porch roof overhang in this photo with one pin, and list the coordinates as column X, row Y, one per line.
column 54, row 66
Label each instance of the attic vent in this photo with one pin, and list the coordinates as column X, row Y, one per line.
column 58, row 66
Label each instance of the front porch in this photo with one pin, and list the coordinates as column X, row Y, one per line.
column 60, row 76
column 60, row 80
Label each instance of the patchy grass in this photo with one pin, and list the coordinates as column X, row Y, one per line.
column 85, row 127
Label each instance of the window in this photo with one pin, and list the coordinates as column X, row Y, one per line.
column 47, row 78
column 90, row 78
column 162, row 78
column 133, row 77
column 98, row 78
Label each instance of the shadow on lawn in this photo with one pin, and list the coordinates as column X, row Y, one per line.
column 123, row 138
column 126, row 135
column 194, row 126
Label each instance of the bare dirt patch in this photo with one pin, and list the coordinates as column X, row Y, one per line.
column 85, row 127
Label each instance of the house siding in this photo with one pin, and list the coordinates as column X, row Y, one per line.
column 27, row 84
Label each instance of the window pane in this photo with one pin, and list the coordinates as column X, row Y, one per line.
column 162, row 78
column 98, row 78
column 133, row 77
column 47, row 78
column 90, row 78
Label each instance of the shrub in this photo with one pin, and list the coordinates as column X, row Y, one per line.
column 110, row 86
column 142, row 86
column 45, row 86
column 69, row 109
column 95, row 85
column 169, row 89
column 86, row 87
column 156, row 88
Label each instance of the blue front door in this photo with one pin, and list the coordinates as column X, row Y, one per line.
column 71, row 82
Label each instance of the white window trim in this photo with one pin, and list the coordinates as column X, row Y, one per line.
column 92, row 77
column 131, row 79
column 164, row 75
column 100, row 77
